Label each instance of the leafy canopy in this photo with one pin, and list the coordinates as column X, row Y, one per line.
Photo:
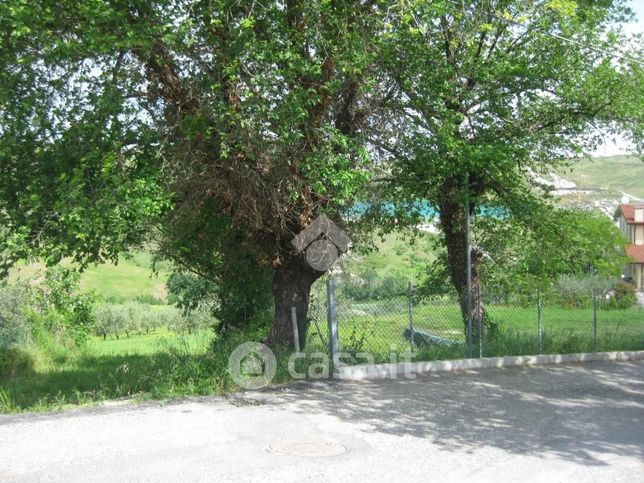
column 124, row 118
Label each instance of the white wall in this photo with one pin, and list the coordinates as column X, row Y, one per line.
column 639, row 235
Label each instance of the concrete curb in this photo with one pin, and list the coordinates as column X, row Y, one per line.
column 392, row 370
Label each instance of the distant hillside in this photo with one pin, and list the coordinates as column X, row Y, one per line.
column 130, row 279
column 394, row 257
column 614, row 174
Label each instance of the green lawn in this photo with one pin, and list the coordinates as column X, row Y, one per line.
column 160, row 364
column 378, row 327
column 145, row 344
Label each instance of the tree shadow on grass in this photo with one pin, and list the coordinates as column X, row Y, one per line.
column 574, row 412
column 96, row 378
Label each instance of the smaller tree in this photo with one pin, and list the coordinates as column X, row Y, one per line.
column 59, row 297
column 523, row 254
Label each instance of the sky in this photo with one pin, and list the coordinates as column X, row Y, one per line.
column 638, row 26
column 619, row 145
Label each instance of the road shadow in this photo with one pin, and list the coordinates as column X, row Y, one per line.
column 574, row 412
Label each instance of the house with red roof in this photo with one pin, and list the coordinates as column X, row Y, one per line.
column 630, row 218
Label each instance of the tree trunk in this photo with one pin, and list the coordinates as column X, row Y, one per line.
column 453, row 225
column 292, row 283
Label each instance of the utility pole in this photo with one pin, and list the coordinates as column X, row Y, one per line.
column 468, row 248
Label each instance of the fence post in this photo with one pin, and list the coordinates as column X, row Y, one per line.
column 296, row 332
column 539, row 326
column 479, row 316
column 594, row 319
column 411, row 317
column 468, row 275
column 332, row 319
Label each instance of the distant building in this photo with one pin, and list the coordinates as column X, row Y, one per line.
column 630, row 218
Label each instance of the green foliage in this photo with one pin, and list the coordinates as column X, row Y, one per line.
column 624, row 296
column 570, row 246
column 219, row 130
column 216, row 129
column 239, row 298
column 366, row 285
column 58, row 297
column 190, row 292
column 51, row 305
column 149, row 299
column 117, row 320
column 14, row 321
column 577, row 291
column 15, row 361
column 191, row 322
column 45, row 317
column 496, row 105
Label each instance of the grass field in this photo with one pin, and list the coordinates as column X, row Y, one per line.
column 139, row 366
column 131, row 279
column 616, row 174
column 164, row 365
column 378, row 327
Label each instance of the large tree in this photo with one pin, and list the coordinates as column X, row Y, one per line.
column 483, row 94
column 218, row 129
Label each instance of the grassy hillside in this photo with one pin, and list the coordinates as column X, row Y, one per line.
column 615, row 174
column 395, row 257
column 130, row 279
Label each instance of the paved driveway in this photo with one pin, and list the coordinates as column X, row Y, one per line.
column 555, row 423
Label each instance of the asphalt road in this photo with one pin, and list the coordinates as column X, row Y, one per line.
column 554, row 423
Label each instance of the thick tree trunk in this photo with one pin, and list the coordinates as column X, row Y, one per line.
column 453, row 225
column 291, row 288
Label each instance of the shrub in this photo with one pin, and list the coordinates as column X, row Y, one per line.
column 149, row 299
column 369, row 287
column 624, row 296
column 14, row 323
column 577, row 291
column 58, row 297
column 15, row 361
column 190, row 322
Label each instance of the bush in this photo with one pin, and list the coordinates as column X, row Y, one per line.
column 149, row 299
column 369, row 287
column 59, row 299
column 14, row 323
column 624, row 296
column 576, row 291
column 15, row 361
column 190, row 322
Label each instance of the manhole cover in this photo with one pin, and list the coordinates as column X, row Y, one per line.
column 310, row 448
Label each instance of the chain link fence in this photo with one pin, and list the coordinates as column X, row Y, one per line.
column 436, row 327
